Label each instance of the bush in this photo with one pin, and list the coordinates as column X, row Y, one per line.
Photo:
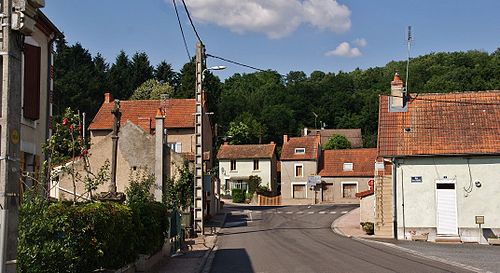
column 151, row 224
column 74, row 238
column 238, row 195
column 367, row 227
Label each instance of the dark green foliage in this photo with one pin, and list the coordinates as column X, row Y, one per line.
column 238, row 195
column 60, row 237
column 253, row 183
column 139, row 188
column 164, row 73
column 119, row 77
column 337, row 142
column 179, row 192
column 140, row 70
column 150, row 221
column 367, row 227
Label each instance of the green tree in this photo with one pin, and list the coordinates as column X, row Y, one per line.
column 119, row 77
column 164, row 73
column 151, row 90
column 140, row 69
column 337, row 142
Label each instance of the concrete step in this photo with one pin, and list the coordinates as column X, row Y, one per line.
column 452, row 239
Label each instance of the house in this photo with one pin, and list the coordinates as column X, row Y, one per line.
column 353, row 135
column 445, row 150
column 37, row 91
column 299, row 160
column 179, row 122
column 344, row 173
column 238, row 162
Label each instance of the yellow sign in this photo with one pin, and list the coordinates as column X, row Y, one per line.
column 14, row 136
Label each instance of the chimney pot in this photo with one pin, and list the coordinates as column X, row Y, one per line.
column 108, row 97
column 226, row 143
column 272, row 142
column 285, row 139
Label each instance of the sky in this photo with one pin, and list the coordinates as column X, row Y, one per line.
column 282, row 35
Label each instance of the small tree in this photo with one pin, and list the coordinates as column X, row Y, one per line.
column 337, row 142
column 151, row 90
column 178, row 193
column 253, row 183
column 140, row 184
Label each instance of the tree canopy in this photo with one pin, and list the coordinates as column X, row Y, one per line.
column 337, row 142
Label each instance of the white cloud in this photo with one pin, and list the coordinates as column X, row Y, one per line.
column 276, row 18
column 344, row 50
column 361, row 42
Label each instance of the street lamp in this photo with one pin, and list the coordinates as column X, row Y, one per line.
column 217, row 67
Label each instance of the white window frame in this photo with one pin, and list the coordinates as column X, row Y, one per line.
column 348, row 167
column 298, row 183
column 300, row 151
column 295, row 169
column 347, row 182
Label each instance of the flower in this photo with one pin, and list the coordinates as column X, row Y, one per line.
column 65, row 121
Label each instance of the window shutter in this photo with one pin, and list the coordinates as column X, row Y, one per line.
column 31, row 104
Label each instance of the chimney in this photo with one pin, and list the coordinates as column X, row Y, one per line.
column 305, row 131
column 397, row 91
column 161, row 162
column 285, row 139
column 272, row 142
column 108, row 97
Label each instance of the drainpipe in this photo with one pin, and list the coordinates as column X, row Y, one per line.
column 394, row 199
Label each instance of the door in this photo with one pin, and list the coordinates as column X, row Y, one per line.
column 349, row 190
column 299, row 191
column 327, row 192
column 446, row 198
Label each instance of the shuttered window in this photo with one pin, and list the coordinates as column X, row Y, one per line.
column 31, row 99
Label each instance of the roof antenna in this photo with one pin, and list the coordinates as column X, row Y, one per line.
column 409, row 40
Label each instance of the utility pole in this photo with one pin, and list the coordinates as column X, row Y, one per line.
column 199, row 199
column 10, row 116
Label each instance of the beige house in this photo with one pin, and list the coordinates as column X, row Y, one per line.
column 299, row 160
column 446, row 154
column 344, row 173
column 238, row 162
column 37, row 90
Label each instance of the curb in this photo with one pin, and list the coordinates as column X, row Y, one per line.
column 208, row 257
column 336, row 230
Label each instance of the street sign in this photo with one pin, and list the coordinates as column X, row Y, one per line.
column 479, row 220
column 313, row 180
column 370, row 183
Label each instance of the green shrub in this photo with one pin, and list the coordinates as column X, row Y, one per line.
column 238, row 195
column 59, row 237
column 151, row 225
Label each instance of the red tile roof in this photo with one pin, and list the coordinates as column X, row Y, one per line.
column 179, row 113
column 310, row 143
column 365, row 193
column 332, row 164
column 246, row 151
column 466, row 123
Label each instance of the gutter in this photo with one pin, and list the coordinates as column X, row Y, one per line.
column 394, row 199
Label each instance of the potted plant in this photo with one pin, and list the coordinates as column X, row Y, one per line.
column 493, row 239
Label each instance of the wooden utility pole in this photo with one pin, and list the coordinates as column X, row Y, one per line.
column 199, row 199
column 10, row 111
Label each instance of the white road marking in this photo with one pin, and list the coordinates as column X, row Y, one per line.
column 309, row 207
column 322, row 212
column 300, row 212
column 333, row 212
column 344, row 212
column 311, row 212
column 279, row 212
column 289, row 212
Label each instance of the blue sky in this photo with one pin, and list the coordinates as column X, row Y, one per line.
column 282, row 35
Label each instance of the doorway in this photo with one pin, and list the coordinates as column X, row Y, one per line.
column 446, row 207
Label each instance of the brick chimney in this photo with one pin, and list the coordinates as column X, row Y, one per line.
column 397, row 91
column 285, row 139
column 108, row 97
column 145, row 124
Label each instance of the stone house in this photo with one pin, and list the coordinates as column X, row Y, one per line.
column 445, row 150
column 238, row 162
column 299, row 159
column 37, row 91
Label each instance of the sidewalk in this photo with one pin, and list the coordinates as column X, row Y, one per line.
column 475, row 257
column 193, row 256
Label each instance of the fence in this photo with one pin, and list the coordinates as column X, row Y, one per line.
column 269, row 201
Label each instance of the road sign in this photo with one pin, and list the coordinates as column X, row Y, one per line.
column 313, row 180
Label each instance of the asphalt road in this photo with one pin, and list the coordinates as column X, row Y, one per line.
column 299, row 239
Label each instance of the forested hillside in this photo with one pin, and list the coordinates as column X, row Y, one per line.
column 262, row 106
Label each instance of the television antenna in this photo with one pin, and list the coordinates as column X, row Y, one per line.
column 409, row 41
column 315, row 118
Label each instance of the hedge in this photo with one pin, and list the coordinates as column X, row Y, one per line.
column 238, row 195
column 60, row 237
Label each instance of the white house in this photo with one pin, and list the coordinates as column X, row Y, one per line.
column 445, row 150
column 238, row 162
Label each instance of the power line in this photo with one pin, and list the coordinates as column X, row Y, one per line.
column 191, row 21
column 240, row 64
column 182, row 31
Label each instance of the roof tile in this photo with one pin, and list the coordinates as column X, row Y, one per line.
column 246, row 151
column 309, row 143
column 363, row 161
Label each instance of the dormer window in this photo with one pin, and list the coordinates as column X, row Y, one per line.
column 348, row 167
column 300, row 150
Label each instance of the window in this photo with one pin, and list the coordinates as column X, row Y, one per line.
column 233, row 165
column 349, row 189
column 299, row 170
column 255, row 164
column 348, row 167
column 31, row 96
column 299, row 191
column 300, row 150
column 175, row 146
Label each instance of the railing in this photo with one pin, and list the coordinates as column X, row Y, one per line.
column 269, row 201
